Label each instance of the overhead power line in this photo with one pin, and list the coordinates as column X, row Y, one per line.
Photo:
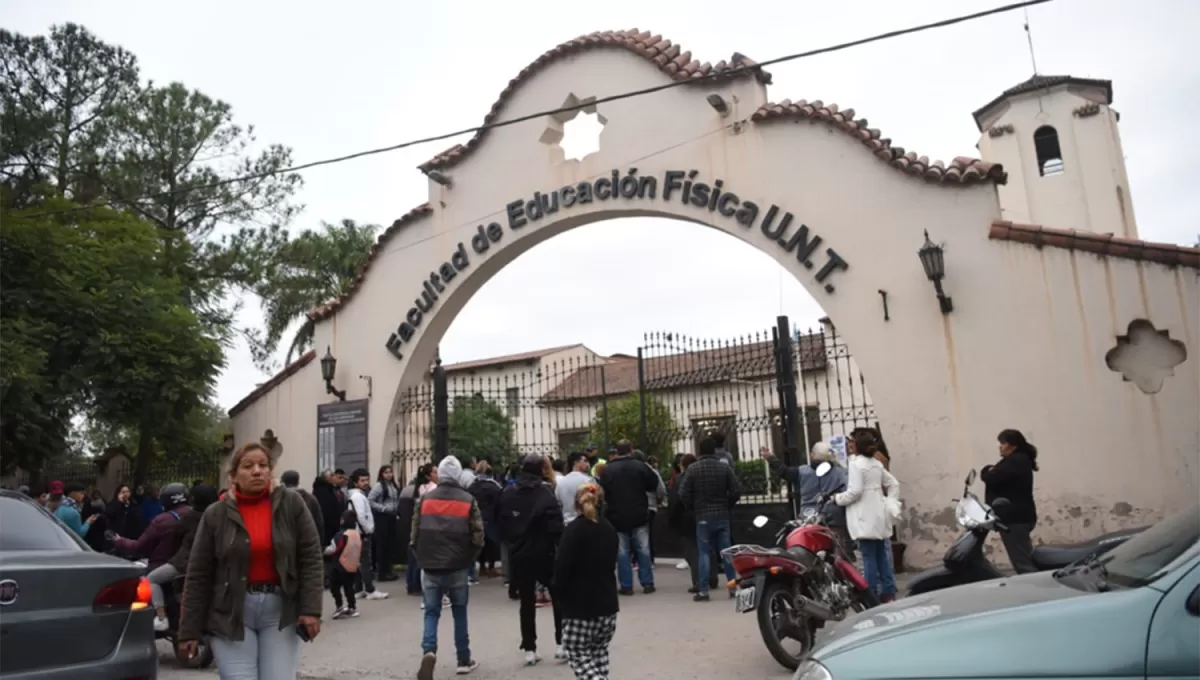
column 575, row 107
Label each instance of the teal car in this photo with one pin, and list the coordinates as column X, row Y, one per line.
column 1133, row 613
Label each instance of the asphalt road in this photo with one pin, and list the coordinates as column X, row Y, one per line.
column 664, row 636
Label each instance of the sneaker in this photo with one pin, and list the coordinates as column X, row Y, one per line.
column 682, row 565
column 473, row 582
column 531, row 658
column 338, row 613
column 732, row 592
column 161, row 624
column 445, row 602
column 376, row 595
column 464, row 668
column 428, row 661
column 700, row 597
column 351, row 614
column 560, row 654
column 422, row 604
column 649, row 589
column 625, row 591
column 542, row 603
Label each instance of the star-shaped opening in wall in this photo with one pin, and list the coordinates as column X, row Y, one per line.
column 1146, row 356
column 574, row 135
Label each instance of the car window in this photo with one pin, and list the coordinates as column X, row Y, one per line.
column 1143, row 558
column 28, row 527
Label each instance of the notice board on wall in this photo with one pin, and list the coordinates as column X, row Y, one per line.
column 342, row 435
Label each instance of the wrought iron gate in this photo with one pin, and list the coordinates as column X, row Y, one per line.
column 780, row 390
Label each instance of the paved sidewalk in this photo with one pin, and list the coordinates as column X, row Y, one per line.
column 664, row 636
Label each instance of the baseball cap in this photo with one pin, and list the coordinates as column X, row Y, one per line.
column 56, row 488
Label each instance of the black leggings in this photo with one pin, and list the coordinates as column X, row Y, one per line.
column 342, row 582
column 526, row 576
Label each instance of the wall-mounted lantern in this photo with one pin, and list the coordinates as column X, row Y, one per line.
column 934, row 262
column 328, row 368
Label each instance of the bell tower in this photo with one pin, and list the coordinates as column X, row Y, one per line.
column 1057, row 137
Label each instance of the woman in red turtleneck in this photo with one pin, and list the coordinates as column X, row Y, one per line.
column 254, row 576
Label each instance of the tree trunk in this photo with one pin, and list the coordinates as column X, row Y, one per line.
column 145, row 456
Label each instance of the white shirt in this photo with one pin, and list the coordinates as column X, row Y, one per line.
column 362, row 507
column 866, row 512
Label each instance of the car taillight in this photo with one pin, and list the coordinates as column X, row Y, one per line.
column 131, row 593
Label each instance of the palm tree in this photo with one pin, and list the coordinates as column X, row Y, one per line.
column 308, row 271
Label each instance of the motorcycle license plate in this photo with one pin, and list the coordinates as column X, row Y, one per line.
column 745, row 600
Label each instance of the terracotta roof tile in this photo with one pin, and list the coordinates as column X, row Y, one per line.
column 327, row 310
column 507, row 358
column 961, row 170
column 275, row 381
column 673, row 371
column 1041, row 82
column 668, row 57
column 1100, row 244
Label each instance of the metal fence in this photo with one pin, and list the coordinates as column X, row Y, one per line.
column 674, row 392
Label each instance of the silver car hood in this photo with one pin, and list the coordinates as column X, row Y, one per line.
column 933, row 609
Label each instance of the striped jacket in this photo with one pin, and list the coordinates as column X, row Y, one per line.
column 447, row 528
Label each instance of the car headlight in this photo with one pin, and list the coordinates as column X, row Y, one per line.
column 812, row 670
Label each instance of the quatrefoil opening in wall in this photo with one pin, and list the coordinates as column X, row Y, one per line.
column 574, row 135
column 1146, row 356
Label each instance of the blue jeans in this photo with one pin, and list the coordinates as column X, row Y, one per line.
column 412, row 572
column 434, row 587
column 710, row 534
column 265, row 652
column 877, row 565
column 640, row 537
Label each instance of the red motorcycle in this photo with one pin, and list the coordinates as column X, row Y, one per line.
column 796, row 588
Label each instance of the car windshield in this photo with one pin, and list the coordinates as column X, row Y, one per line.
column 28, row 527
column 1143, row 558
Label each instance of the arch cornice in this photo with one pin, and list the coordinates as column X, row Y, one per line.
column 961, row 170
column 668, row 57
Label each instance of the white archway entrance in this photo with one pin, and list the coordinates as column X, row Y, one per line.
column 836, row 205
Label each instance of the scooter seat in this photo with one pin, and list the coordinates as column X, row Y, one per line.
column 1047, row 557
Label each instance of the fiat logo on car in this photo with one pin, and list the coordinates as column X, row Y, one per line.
column 8, row 591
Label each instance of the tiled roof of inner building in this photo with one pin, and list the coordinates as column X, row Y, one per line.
column 1040, row 82
column 666, row 56
column 961, row 170
column 326, row 310
column 1100, row 244
column 274, row 381
column 686, row 369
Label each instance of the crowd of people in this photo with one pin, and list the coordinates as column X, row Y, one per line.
column 568, row 534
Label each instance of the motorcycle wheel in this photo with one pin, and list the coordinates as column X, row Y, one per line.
column 777, row 602
column 203, row 658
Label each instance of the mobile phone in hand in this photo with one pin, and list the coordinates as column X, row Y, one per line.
column 303, row 633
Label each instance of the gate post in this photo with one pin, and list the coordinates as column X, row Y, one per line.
column 786, row 380
column 441, row 412
column 643, row 443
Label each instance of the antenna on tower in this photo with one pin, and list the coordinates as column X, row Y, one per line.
column 1029, row 38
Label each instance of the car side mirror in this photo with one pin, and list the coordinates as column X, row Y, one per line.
column 823, row 469
column 760, row 521
column 1193, row 602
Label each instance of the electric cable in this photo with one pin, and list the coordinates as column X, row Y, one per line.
column 570, row 108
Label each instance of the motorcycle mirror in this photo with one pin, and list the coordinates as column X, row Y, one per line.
column 823, row 469
column 970, row 477
column 760, row 521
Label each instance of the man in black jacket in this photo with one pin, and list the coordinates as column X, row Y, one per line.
column 710, row 489
column 291, row 480
column 331, row 501
column 531, row 525
column 626, row 481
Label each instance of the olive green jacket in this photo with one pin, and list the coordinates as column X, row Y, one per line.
column 217, row 569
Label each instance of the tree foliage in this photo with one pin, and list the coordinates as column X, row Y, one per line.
column 481, row 428
column 130, row 339
column 310, row 269
column 91, row 326
column 624, row 421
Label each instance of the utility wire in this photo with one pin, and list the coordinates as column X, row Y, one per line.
column 575, row 107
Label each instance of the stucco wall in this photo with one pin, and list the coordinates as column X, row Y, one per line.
column 1024, row 346
column 290, row 410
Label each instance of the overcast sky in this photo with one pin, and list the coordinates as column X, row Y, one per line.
column 333, row 79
